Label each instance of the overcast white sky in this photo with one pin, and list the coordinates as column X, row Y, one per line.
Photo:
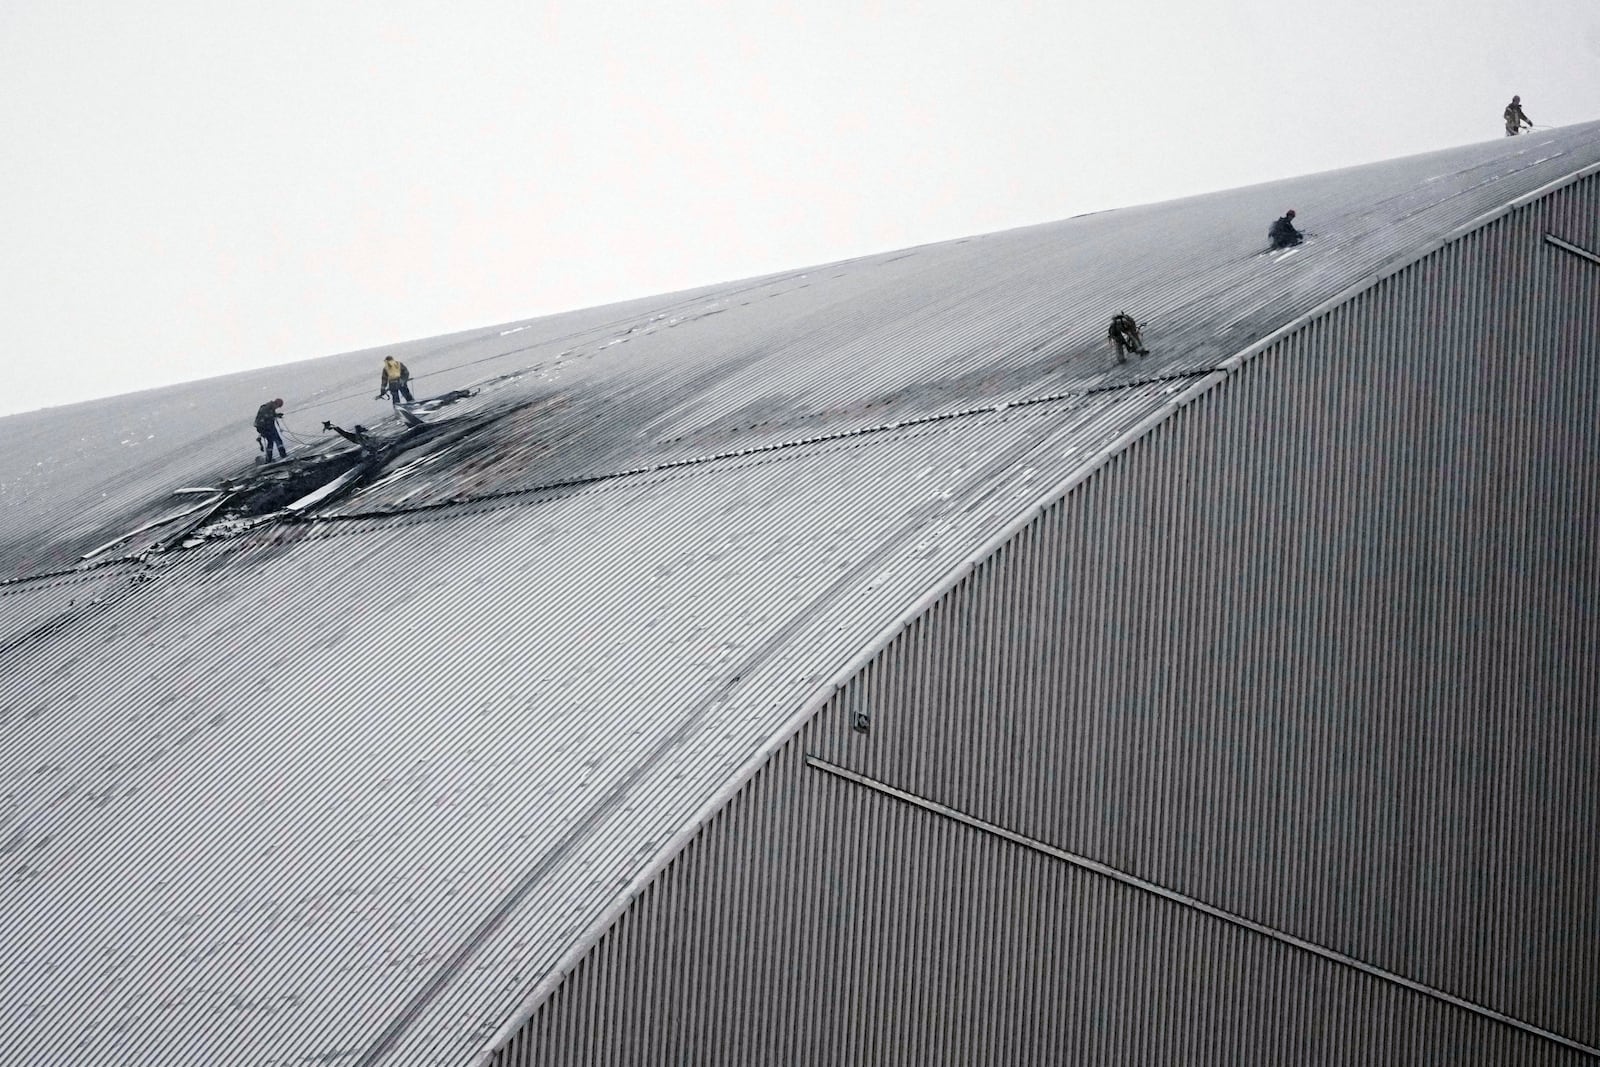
column 194, row 188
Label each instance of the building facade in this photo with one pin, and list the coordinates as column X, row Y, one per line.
column 1270, row 738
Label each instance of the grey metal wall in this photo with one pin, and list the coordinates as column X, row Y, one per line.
column 1309, row 668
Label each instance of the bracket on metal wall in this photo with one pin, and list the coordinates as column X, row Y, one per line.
column 1567, row 246
column 860, row 713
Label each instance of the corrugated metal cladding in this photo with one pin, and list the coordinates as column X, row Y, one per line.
column 827, row 349
column 1318, row 650
column 816, row 922
column 353, row 790
column 999, row 319
column 259, row 810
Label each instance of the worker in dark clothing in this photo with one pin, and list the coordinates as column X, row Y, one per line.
column 1515, row 119
column 1125, row 337
column 395, row 382
column 267, row 416
column 1283, row 234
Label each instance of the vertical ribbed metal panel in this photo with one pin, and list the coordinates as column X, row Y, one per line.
column 1318, row 650
column 869, row 932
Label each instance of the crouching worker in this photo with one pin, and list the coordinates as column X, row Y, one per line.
column 1283, row 234
column 395, row 382
column 267, row 416
column 1125, row 337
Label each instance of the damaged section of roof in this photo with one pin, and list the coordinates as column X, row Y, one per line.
column 314, row 477
column 870, row 342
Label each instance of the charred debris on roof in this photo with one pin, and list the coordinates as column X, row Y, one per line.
column 287, row 490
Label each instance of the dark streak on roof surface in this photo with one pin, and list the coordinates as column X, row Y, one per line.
column 341, row 789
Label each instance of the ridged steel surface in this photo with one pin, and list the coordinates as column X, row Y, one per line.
column 830, row 348
column 1318, row 650
column 815, row 922
column 279, row 804
column 347, row 790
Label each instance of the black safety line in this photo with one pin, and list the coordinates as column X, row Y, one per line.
column 754, row 450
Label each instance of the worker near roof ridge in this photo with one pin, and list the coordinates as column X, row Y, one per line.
column 1124, row 336
column 267, row 416
column 1283, row 234
column 1515, row 118
column 395, row 381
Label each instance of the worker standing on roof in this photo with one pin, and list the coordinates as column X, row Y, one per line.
column 1124, row 336
column 267, row 416
column 395, row 382
column 1283, row 234
column 1515, row 119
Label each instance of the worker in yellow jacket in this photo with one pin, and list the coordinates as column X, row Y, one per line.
column 395, row 382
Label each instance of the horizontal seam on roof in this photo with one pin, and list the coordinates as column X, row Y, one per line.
column 69, row 574
column 509, row 497
column 1193, row 903
column 777, row 446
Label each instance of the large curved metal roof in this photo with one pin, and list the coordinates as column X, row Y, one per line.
column 339, row 783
